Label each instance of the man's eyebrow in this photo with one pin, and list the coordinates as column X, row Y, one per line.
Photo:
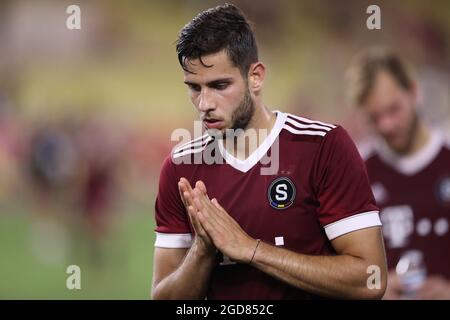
column 211, row 83
column 217, row 81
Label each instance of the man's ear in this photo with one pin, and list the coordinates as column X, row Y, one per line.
column 256, row 74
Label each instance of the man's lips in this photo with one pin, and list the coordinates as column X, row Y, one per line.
column 213, row 123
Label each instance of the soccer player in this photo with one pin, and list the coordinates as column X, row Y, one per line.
column 409, row 169
column 230, row 230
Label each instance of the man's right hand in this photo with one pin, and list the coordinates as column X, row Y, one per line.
column 202, row 240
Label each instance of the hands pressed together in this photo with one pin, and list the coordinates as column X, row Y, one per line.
column 214, row 227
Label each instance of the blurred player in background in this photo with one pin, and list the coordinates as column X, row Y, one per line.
column 227, row 231
column 409, row 169
column 72, row 169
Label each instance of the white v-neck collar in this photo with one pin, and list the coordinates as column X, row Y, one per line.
column 410, row 165
column 260, row 152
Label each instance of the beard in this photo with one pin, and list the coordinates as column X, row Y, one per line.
column 244, row 113
column 411, row 136
column 240, row 118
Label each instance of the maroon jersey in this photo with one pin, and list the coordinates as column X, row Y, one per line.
column 413, row 194
column 319, row 191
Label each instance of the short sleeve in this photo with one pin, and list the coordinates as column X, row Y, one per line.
column 346, row 202
column 173, row 229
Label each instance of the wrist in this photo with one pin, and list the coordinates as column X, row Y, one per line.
column 256, row 245
column 203, row 250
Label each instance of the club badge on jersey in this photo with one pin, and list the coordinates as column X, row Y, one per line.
column 281, row 193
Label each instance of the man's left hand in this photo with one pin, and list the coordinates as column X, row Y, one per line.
column 224, row 231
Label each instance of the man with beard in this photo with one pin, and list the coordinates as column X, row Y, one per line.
column 232, row 230
column 409, row 169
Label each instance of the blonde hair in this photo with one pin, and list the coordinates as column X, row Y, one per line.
column 364, row 68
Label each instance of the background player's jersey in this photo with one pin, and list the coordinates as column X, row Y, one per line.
column 413, row 194
column 319, row 192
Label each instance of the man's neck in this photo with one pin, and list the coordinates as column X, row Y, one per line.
column 253, row 136
column 420, row 140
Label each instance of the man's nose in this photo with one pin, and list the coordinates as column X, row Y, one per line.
column 206, row 102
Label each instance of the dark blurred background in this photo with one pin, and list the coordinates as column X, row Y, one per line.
column 86, row 117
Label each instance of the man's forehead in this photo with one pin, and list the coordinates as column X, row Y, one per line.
column 385, row 89
column 210, row 67
column 385, row 81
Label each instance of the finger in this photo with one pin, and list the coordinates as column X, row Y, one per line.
column 204, row 206
column 209, row 227
column 223, row 213
column 181, row 190
column 184, row 185
column 199, row 229
column 201, row 186
column 203, row 197
column 203, row 203
column 195, row 223
column 188, row 198
column 197, row 199
column 191, row 212
column 216, row 203
column 190, row 189
column 208, row 210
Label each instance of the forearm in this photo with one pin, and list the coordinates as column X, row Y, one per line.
column 190, row 281
column 341, row 276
